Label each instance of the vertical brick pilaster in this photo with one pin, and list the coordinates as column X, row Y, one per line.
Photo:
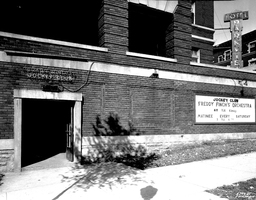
column 178, row 36
column 204, row 13
column 113, row 25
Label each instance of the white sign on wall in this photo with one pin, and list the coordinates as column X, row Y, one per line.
column 214, row 109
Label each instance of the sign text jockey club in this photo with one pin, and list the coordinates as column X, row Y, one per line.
column 236, row 28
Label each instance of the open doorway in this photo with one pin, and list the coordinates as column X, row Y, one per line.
column 47, row 128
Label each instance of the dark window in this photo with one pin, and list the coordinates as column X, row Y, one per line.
column 252, row 61
column 147, row 29
column 227, row 55
column 220, row 58
column 252, row 46
column 67, row 21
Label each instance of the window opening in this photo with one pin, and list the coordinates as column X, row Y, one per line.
column 220, row 58
column 252, row 46
column 252, row 61
column 193, row 10
column 227, row 55
column 147, row 29
column 195, row 54
column 53, row 21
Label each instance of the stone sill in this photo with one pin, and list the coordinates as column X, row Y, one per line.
column 203, row 27
column 141, row 55
column 222, row 67
column 203, row 38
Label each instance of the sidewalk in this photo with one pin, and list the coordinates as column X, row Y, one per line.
column 119, row 182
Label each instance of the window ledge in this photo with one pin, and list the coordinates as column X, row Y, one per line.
column 203, row 27
column 203, row 38
column 141, row 55
column 221, row 67
column 51, row 41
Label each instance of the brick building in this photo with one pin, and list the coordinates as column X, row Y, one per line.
column 148, row 61
column 223, row 53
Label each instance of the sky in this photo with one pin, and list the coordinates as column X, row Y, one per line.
column 224, row 7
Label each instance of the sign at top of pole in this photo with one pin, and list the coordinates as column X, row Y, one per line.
column 236, row 29
column 236, row 15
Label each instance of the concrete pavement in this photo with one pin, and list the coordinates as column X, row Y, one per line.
column 117, row 181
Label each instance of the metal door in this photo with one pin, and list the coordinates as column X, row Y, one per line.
column 69, row 135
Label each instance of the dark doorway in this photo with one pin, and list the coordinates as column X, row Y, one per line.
column 44, row 129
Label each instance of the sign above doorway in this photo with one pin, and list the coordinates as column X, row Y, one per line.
column 49, row 75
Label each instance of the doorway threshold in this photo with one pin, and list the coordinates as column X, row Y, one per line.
column 56, row 161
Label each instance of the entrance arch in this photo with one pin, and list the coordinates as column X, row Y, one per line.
column 21, row 94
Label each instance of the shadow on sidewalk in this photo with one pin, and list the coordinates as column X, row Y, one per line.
column 105, row 175
column 110, row 176
column 111, row 162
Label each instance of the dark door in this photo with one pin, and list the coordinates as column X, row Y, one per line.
column 47, row 130
column 69, row 136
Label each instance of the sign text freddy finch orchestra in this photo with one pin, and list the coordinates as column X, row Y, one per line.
column 224, row 109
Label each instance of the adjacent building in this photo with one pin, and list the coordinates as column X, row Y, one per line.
column 150, row 62
column 223, row 52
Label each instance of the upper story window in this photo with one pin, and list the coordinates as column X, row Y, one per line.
column 252, row 46
column 195, row 54
column 71, row 22
column 147, row 29
column 220, row 58
column 193, row 10
column 227, row 55
column 252, row 61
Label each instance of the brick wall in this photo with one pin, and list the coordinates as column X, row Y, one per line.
column 113, row 25
column 12, row 77
column 7, row 43
column 155, row 106
column 7, row 82
column 178, row 39
column 206, row 50
column 204, row 13
column 202, row 32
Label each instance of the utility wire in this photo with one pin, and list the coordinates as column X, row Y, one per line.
column 84, row 84
column 220, row 23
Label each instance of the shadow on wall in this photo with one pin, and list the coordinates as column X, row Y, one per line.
column 111, row 127
column 111, row 144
